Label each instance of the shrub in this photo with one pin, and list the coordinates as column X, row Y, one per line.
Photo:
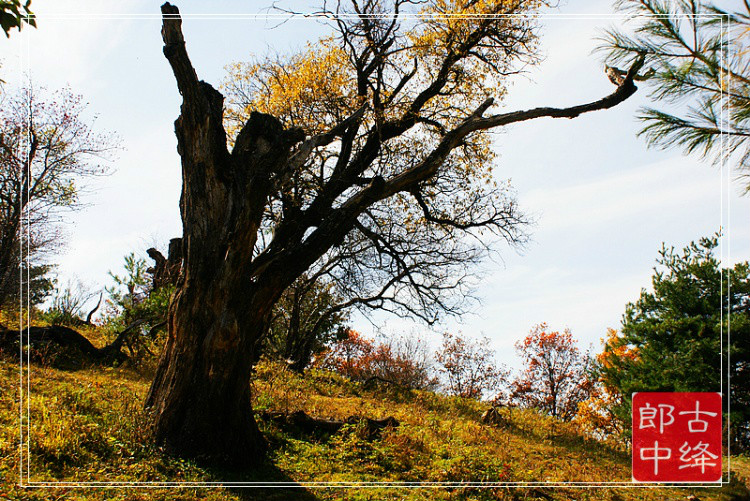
column 468, row 366
column 401, row 360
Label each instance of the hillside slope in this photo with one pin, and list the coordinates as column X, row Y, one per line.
column 88, row 426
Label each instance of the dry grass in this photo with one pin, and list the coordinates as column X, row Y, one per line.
column 88, row 425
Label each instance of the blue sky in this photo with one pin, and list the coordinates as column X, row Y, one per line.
column 603, row 202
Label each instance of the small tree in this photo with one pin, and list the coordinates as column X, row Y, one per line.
column 46, row 150
column 694, row 52
column 468, row 366
column 131, row 289
column 554, row 378
column 136, row 307
column 671, row 336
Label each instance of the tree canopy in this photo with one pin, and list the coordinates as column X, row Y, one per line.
column 47, row 148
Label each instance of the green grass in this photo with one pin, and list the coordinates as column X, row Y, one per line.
column 88, row 425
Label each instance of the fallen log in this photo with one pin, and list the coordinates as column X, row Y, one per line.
column 67, row 339
column 370, row 382
column 62, row 336
column 304, row 422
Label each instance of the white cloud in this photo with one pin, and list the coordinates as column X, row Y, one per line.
column 669, row 185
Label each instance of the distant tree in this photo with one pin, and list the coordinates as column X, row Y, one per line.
column 694, row 53
column 46, row 150
column 671, row 336
column 13, row 14
column 406, row 361
column 468, row 366
column 402, row 361
column 306, row 318
column 555, row 376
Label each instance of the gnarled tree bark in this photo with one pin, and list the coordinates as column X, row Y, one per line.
column 200, row 395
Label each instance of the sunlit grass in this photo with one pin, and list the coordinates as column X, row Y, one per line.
column 89, row 425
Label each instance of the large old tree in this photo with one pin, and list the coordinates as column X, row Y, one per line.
column 404, row 137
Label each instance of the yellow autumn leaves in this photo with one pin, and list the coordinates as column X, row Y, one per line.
column 312, row 89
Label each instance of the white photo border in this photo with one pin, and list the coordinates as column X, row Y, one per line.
column 24, row 477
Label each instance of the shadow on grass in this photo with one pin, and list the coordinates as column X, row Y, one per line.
column 258, row 484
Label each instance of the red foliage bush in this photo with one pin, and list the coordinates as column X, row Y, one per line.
column 402, row 361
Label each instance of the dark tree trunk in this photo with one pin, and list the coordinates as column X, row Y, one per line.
column 292, row 341
column 299, row 342
column 200, row 397
column 166, row 270
column 302, row 354
column 8, row 251
column 201, row 393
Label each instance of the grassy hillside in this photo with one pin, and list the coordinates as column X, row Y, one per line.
column 87, row 425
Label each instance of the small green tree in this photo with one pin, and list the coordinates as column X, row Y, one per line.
column 136, row 307
column 131, row 289
column 695, row 53
column 672, row 334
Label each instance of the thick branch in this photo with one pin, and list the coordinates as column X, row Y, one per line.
column 176, row 54
column 475, row 122
column 300, row 156
column 623, row 92
column 340, row 221
column 91, row 313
